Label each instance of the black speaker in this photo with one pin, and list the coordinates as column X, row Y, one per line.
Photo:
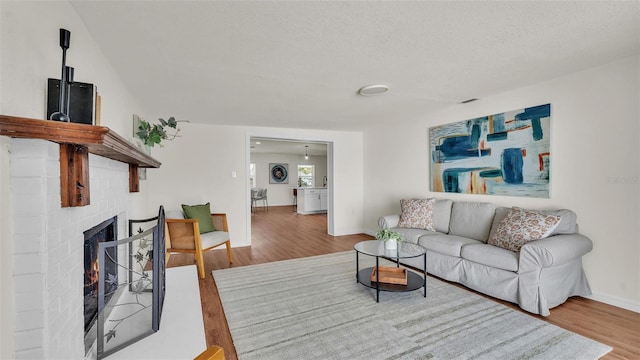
column 82, row 101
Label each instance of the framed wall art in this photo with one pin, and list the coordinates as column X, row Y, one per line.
column 278, row 173
column 501, row 154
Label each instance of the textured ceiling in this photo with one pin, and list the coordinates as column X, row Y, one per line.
column 299, row 64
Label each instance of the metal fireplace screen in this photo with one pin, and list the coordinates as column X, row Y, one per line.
column 133, row 310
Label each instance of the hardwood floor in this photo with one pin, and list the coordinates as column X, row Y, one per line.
column 280, row 234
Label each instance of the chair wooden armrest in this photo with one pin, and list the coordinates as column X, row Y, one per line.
column 179, row 231
column 220, row 221
column 184, row 234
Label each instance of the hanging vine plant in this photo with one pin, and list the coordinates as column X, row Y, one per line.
column 152, row 134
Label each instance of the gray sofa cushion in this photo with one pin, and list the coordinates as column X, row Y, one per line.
column 568, row 222
column 442, row 214
column 471, row 219
column 446, row 244
column 412, row 235
column 491, row 256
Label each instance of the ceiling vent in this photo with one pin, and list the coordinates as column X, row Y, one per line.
column 468, row 101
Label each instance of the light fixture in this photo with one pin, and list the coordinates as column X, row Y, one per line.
column 373, row 90
column 306, row 154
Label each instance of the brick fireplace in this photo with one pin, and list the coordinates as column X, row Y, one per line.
column 48, row 246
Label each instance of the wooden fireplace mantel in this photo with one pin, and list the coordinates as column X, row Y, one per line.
column 76, row 142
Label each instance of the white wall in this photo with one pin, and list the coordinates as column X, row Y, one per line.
column 29, row 54
column 595, row 166
column 197, row 167
column 6, row 246
column 6, row 261
column 282, row 194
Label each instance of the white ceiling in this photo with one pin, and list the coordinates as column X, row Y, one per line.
column 299, row 64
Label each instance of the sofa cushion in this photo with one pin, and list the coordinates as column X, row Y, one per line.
column 412, row 235
column 471, row 219
column 521, row 226
column 202, row 213
column 492, row 256
column 568, row 222
column 417, row 214
column 441, row 215
column 445, row 244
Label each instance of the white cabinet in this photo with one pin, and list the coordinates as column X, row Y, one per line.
column 323, row 200
column 312, row 200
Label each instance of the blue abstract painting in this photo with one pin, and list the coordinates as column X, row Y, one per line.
column 500, row 154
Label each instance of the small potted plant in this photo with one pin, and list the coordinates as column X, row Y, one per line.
column 390, row 237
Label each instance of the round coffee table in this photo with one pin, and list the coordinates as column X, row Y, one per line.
column 405, row 250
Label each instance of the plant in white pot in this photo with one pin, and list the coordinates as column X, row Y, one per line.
column 390, row 237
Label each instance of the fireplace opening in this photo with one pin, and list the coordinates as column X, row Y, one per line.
column 103, row 232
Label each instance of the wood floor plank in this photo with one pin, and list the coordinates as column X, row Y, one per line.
column 281, row 234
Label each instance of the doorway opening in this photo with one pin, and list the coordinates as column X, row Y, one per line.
column 287, row 156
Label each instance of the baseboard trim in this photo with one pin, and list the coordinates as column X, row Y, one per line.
column 615, row 301
column 369, row 232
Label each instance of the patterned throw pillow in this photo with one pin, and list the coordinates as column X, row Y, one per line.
column 521, row 226
column 417, row 214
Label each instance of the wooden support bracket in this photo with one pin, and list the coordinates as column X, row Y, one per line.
column 74, row 175
column 134, row 178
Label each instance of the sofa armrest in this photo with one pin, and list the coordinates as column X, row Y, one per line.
column 388, row 221
column 556, row 250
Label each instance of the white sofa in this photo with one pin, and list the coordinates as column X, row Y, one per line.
column 541, row 276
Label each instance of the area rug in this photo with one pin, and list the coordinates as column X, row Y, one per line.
column 313, row 308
